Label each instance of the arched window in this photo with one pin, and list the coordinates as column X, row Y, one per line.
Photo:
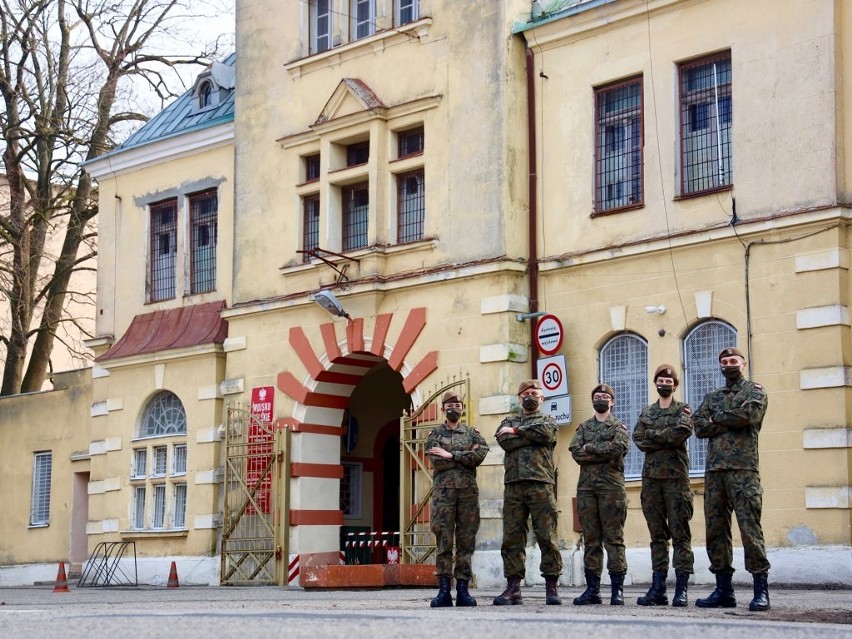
column 164, row 415
column 205, row 95
column 624, row 366
column 701, row 349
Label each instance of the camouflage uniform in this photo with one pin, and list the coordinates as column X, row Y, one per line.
column 730, row 418
column 530, row 491
column 662, row 434
column 601, row 498
column 455, row 496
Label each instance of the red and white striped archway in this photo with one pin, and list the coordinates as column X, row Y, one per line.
column 315, row 469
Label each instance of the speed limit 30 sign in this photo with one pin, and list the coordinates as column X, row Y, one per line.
column 553, row 375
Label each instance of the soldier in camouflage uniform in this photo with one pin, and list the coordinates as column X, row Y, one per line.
column 730, row 418
column 455, row 450
column 661, row 433
column 529, row 492
column 599, row 446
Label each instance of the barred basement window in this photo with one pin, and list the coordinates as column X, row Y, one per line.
column 705, row 124
column 162, row 251
column 701, row 349
column 40, row 503
column 624, row 366
column 618, row 146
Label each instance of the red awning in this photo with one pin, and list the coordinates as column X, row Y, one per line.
column 172, row 328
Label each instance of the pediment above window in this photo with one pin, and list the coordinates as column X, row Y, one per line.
column 351, row 96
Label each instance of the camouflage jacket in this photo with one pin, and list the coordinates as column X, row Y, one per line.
column 602, row 461
column 731, row 417
column 662, row 434
column 529, row 452
column 467, row 446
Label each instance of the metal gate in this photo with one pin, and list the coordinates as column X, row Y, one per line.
column 417, row 541
column 254, row 530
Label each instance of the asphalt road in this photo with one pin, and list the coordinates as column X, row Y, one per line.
column 189, row 612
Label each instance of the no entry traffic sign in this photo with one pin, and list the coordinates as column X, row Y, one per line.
column 549, row 334
column 553, row 376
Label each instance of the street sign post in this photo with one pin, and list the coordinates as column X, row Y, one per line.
column 553, row 375
column 549, row 334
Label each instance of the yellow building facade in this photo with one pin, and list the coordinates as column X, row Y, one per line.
column 666, row 177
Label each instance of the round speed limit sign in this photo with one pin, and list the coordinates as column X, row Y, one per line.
column 553, row 376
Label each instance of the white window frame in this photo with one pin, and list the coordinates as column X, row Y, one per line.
column 701, row 347
column 361, row 27
column 627, row 373
column 139, row 470
column 402, row 6
column 40, row 496
column 179, row 505
column 321, row 40
column 158, row 516
column 137, row 521
column 159, row 461
column 179, row 459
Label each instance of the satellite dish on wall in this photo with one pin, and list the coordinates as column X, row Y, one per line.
column 329, row 302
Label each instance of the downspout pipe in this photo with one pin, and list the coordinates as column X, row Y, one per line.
column 532, row 185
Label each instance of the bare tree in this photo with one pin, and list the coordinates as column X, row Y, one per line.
column 67, row 70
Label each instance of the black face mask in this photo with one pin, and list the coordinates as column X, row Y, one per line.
column 600, row 405
column 453, row 415
column 529, row 403
column 732, row 373
column 665, row 390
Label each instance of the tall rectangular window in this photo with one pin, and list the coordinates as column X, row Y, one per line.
column 138, row 521
column 159, row 462
column 350, row 490
column 310, row 225
column 321, row 25
column 159, row 520
column 163, row 251
column 204, row 231
column 363, row 16
column 140, row 463
column 312, row 168
column 180, row 506
column 406, row 11
column 179, row 460
column 705, row 124
column 618, row 146
column 356, row 210
column 411, row 206
column 40, row 503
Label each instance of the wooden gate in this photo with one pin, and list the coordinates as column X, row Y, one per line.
column 417, row 541
column 254, row 531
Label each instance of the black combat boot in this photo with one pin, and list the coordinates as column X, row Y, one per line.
column 679, row 599
column 463, row 597
column 592, row 594
column 761, row 593
column 656, row 596
column 443, row 599
column 512, row 595
column 552, row 591
column 722, row 597
column 617, row 583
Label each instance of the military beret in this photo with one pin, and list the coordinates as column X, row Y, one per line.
column 604, row 388
column 529, row 383
column 666, row 370
column 731, row 351
column 451, row 396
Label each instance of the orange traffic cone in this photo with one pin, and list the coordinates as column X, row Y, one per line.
column 61, row 580
column 173, row 578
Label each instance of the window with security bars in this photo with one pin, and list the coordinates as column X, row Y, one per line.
column 356, row 209
column 409, row 142
column 310, row 225
column 40, row 504
column 203, row 222
column 705, row 124
column 163, row 251
column 624, row 366
column 618, row 146
column 312, row 167
column 179, row 501
column 350, row 490
column 702, row 374
column 138, row 517
column 160, row 462
column 411, row 206
column 140, row 463
column 321, row 25
column 363, row 16
column 406, row 11
column 164, row 415
column 179, row 460
column 159, row 518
